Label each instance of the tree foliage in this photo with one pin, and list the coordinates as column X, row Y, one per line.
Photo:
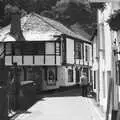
column 67, row 12
column 114, row 20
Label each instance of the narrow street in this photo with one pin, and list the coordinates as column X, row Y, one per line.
column 67, row 105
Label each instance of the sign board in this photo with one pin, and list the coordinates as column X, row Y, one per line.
column 95, row 1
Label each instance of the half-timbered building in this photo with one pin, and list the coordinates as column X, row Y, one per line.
column 50, row 54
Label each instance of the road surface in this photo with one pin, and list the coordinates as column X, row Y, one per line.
column 67, row 105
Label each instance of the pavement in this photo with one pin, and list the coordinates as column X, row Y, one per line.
column 65, row 105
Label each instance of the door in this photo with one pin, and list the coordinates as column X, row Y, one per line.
column 39, row 79
column 77, row 76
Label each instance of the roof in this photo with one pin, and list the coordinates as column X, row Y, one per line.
column 77, row 28
column 36, row 28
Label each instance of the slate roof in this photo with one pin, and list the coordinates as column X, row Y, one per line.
column 39, row 28
column 77, row 28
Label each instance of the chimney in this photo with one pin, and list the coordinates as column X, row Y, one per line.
column 15, row 30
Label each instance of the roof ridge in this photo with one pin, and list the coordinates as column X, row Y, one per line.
column 42, row 18
column 72, row 32
column 55, row 26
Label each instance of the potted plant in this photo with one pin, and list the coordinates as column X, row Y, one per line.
column 114, row 20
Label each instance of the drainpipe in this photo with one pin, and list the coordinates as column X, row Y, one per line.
column 115, row 107
column 98, row 60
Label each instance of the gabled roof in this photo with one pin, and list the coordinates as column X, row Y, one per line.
column 77, row 28
column 36, row 28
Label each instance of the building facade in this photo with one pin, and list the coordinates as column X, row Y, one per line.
column 105, row 61
column 51, row 54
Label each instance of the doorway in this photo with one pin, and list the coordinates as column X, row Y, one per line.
column 77, row 76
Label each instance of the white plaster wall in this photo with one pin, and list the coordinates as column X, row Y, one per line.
column 90, row 61
column 8, row 60
column 66, row 80
column 61, row 75
column 79, row 61
column 104, row 61
column 28, row 60
column 70, row 50
column 95, row 52
column 17, row 59
column 119, row 93
column 89, row 53
column 62, row 78
column 108, row 53
column 49, row 60
column 39, row 60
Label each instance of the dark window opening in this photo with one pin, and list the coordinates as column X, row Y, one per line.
column 8, row 48
column 70, row 75
column 86, row 53
column 51, row 76
column 94, row 79
column 26, row 48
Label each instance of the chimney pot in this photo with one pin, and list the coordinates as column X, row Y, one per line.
column 15, row 30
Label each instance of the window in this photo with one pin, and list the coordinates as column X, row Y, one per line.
column 51, row 76
column 63, row 52
column 39, row 48
column 30, row 75
column 78, row 50
column 26, row 48
column 17, row 47
column 58, row 49
column 8, row 48
column 50, row 48
column 87, row 53
column 70, row 75
column 85, row 70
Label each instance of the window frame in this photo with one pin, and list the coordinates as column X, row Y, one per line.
column 78, row 50
column 22, row 49
column 51, row 82
column 70, row 75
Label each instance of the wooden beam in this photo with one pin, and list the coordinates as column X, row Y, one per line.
column 55, row 51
